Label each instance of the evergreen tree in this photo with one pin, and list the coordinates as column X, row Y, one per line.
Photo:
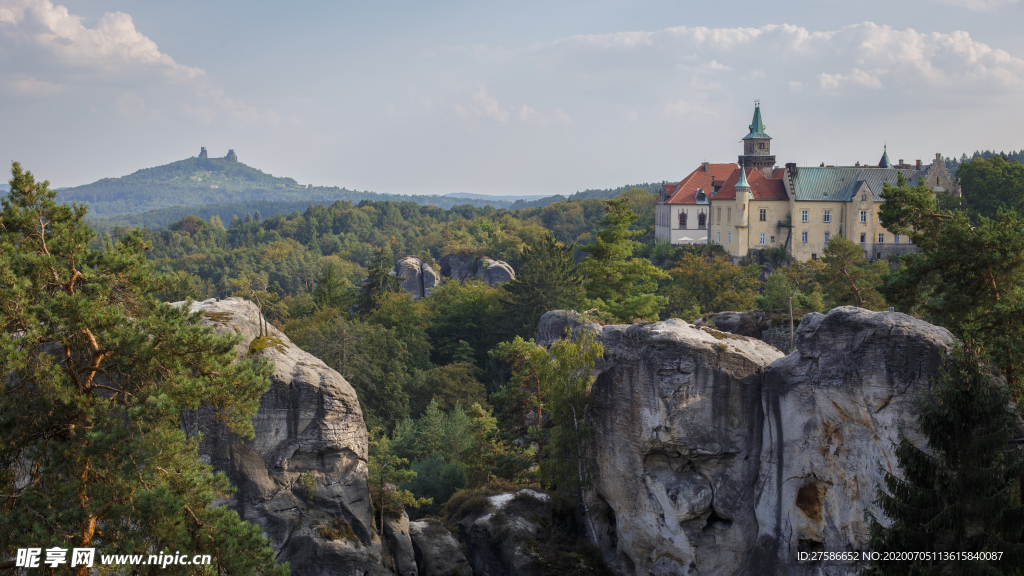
column 967, row 277
column 547, row 280
column 333, row 290
column 848, row 279
column 961, row 495
column 616, row 282
column 257, row 217
column 709, row 281
column 96, row 375
column 248, row 217
column 379, row 280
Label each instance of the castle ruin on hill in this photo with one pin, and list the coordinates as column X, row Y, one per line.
column 231, row 156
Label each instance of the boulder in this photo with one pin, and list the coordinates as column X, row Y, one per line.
column 410, row 269
column 397, row 532
column 302, row 479
column 437, row 551
column 431, row 279
column 458, row 267
column 832, row 410
column 494, row 272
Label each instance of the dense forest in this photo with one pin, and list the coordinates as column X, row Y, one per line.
column 454, row 390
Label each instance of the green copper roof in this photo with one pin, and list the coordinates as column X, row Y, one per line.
column 884, row 162
column 756, row 126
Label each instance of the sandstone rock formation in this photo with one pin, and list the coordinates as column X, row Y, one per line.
column 420, row 277
column 397, row 532
column 830, row 411
column 309, row 430
column 494, row 272
column 437, row 551
column 716, row 454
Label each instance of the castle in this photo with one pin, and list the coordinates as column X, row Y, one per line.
column 231, row 157
column 755, row 205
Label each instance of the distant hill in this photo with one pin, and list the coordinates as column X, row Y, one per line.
column 203, row 181
column 219, row 186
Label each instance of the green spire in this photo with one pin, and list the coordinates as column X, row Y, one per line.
column 743, row 180
column 757, row 126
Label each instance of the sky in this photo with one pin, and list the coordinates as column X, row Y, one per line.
column 527, row 97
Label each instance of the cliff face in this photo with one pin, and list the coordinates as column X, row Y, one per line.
column 309, row 428
column 716, row 454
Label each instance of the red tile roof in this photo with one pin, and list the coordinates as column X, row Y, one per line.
column 685, row 192
column 763, row 188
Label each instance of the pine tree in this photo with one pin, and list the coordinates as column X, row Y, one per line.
column 848, row 279
column 616, row 282
column 257, row 217
column 379, row 280
column 548, row 280
column 961, row 495
column 96, row 374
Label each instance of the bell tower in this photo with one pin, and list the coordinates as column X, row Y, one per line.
column 757, row 146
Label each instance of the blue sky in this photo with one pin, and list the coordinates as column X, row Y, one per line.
column 500, row 98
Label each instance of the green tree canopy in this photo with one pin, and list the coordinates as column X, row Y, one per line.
column 961, row 494
column 616, row 282
column 96, row 375
column 990, row 184
column 703, row 282
column 967, row 277
column 848, row 279
column 548, row 279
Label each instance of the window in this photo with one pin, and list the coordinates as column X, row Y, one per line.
column 804, row 215
column 728, row 237
column 719, row 215
column 828, row 235
column 828, row 216
column 682, row 219
column 878, row 255
column 863, row 197
column 728, row 215
column 863, row 236
column 764, row 215
column 881, row 238
column 719, row 233
column 896, row 238
column 863, row 216
column 702, row 220
column 762, row 238
column 772, row 240
column 814, row 256
column 803, row 237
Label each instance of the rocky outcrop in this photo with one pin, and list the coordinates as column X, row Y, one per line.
column 302, row 479
column 831, row 411
column 716, row 454
column 437, row 551
column 397, row 532
column 419, row 278
column 493, row 272
column 765, row 326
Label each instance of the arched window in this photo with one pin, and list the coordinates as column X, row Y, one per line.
column 702, row 220
column 682, row 219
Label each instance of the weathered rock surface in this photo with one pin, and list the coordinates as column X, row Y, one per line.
column 497, row 537
column 437, row 551
column 431, row 279
column 831, row 411
column 309, row 426
column 410, row 269
column 716, row 454
column 397, row 532
column 494, row 272
column 766, row 326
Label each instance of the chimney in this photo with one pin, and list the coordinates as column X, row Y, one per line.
column 858, row 163
column 901, row 162
column 706, row 169
column 918, row 164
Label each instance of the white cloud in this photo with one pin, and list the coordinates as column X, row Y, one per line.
column 525, row 113
column 32, row 87
column 111, row 61
column 561, row 116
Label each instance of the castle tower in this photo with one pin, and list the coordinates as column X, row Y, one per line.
column 757, row 146
column 231, row 157
column 884, row 162
column 202, row 154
